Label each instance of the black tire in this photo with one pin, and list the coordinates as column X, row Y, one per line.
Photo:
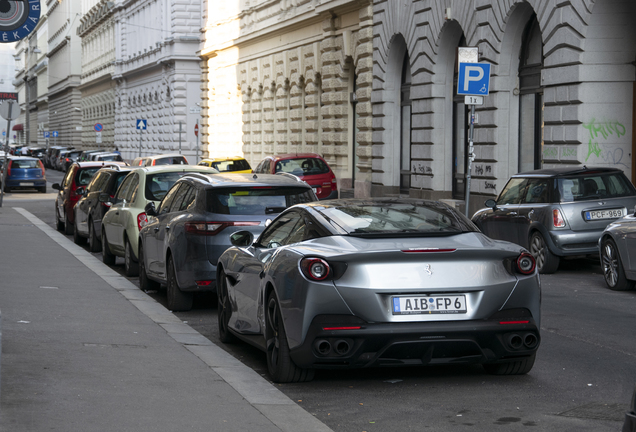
column 107, row 257
column 515, row 367
column 77, row 238
column 58, row 223
column 177, row 299
column 94, row 244
column 612, row 265
column 224, row 310
column 130, row 266
column 7, row 189
column 547, row 262
column 279, row 363
column 68, row 228
column 42, row 189
column 145, row 284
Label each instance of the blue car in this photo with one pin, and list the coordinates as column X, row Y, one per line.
column 25, row 173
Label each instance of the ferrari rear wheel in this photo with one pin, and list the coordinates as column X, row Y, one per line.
column 279, row 363
column 613, row 271
column 224, row 310
column 547, row 262
column 516, row 367
column 177, row 299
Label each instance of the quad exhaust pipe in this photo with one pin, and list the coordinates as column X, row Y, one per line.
column 519, row 341
column 340, row 347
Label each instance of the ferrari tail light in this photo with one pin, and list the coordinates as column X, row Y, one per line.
column 342, row 328
column 316, row 269
column 142, row 220
column 203, row 283
column 526, row 263
column 557, row 219
column 213, row 228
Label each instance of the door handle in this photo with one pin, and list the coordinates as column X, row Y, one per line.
column 512, row 213
column 167, row 227
column 156, row 229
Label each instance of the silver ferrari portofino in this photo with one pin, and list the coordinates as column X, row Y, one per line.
column 384, row 282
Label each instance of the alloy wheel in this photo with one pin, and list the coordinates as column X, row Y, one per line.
column 610, row 264
column 273, row 341
column 537, row 249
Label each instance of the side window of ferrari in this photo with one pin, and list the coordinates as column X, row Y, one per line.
column 278, row 232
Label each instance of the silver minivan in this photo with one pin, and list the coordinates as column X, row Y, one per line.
column 557, row 212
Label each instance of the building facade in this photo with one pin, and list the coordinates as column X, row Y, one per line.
column 157, row 75
column 291, row 77
column 64, row 71
column 373, row 88
column 97, row 87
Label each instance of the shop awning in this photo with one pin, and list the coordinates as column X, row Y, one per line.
column 18, row 127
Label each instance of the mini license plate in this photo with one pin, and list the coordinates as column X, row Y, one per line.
column 604, row 214
column 407, row 305
column 26, row 183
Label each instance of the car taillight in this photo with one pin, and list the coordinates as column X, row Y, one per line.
column 557, row 219
column 9, row 168
column 315, row 269
column 526, row 263
column 43, row 170
column 153, row 162
column 142, row 220
column 213, row 228
column 68, row 160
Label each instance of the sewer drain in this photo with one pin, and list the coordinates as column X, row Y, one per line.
column 94, row 345
column 598, row 411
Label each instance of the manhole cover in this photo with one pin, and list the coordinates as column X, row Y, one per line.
column 598, row 411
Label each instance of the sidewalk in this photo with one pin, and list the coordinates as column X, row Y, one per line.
column 83, row 349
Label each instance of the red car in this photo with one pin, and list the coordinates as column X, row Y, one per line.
column 309, row 167
column 73, row 186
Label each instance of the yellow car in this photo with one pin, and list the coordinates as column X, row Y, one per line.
column 230, row 164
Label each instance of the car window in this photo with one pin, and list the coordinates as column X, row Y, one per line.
column 232, row 165
column 178, row 198
column 164, row 207
column 189, row 199
column 536, row 191
column 512, row 192
column 123, row 189
column 594, row 186
column 98, row 181
column 302, row 166
column 157, row 185
column 171, row 160
column 131, row 194
column 298, row 233
column 261, row 200
column 119, row 177
column 85, row 175
column 277, row 233
column 68, row 178
column 23, row 164
column 267, row 167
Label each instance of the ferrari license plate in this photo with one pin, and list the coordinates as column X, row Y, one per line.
column 604, row 214
column 26, row 183
column 406, row 305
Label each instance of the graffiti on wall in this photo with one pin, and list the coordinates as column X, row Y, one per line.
column 421, row 169
column 601, row 131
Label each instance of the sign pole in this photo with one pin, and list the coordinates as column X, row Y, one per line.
column 6, row 151
column 140, row 129
column 471, row 157
column 180, row 137
column 196, row 134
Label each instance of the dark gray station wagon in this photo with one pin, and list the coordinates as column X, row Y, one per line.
column 557, row 212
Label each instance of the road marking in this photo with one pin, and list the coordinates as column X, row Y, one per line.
column 271, row 402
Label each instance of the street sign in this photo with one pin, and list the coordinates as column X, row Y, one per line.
column 196, row 129
column 473, row 79
column 98, row 127
column 47, row 134
column 473, row 100
column 9, row 110
column 98, row 137
column 142, row 124
column 55, row 134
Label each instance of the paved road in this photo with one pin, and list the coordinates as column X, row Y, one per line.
column 582, row 381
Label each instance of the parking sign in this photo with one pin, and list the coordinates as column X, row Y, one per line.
column 473, row 79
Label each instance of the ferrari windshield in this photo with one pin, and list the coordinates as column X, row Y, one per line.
column 384, row 218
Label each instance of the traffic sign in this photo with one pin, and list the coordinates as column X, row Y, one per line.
column 473, row 79
column 98, row 127
column 47, row 134
column 98, row 137
column 55, row 134
column 9, row 110
column 473, row 100
column 196, row 129
column 142, row 124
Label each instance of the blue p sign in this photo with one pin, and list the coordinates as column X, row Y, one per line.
column 473, row 79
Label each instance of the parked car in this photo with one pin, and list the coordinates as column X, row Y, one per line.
column 77, row 177
column 617, row 249
column 90, row 210
column 85, row 156
column 231, row 164
column 191, row 228
column 309, row 167
column 361, row 283
column 116, row 157
column 53, row 154
column 37, row 152
column 68, row 158
column 162, row 159
column 23, row 173
column 127, row 215
column 557, row 212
